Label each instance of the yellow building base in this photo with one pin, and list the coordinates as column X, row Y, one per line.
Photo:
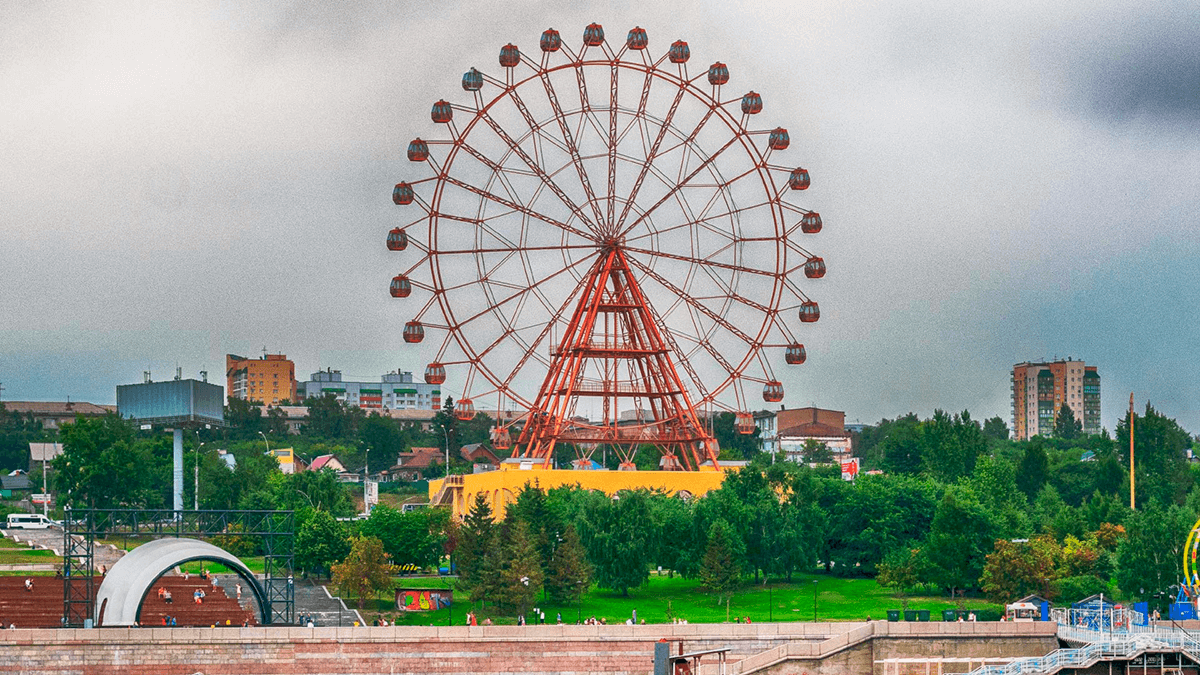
column 501, row 487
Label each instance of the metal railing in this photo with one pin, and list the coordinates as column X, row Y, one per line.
column 1101, row 645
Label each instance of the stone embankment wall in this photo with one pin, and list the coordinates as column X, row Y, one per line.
column 497, row 649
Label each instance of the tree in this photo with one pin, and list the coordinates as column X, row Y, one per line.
column 330, row 418
column 1160, row 462
column 952, row 444
column 1015, row 569
column 720, row 570
column 1065, row 424
column 544, row 527
column 570, row 572
column 408, row 538
column 902, row 447
column 16, row 432
column 1034, row 470
column 104, row 466
column 902, row 568
column 619, row 538
column 1149, row 557
column 320, row 543
column 875, row 515
column 476, row 544
column 364, row 571
column 381, row 435
column 995, row 428
column 816, row 452
column 520, row 569
column 960, row 537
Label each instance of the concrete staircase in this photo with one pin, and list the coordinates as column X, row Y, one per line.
column 327, row 610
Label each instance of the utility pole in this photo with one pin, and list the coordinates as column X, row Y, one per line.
column 1131, row 416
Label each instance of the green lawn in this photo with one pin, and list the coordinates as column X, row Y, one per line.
column 12, row 553
column 255, row 564
column 837, row 599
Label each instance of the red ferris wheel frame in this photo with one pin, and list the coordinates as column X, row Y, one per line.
column 616, row 344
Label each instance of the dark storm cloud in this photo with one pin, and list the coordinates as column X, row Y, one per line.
column 1138, row 61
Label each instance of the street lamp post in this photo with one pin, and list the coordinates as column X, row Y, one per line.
column 196, row 487
column 366, row 479
column 446, row 432
column 814, row 600
column 266, row 441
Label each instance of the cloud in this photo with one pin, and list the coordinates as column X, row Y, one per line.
column 998, row 183
column 1124, row 63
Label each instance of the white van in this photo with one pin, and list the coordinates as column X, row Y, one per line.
column 29, row 521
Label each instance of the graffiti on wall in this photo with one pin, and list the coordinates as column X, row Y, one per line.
column 422, row 599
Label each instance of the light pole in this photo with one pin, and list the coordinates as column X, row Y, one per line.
column 815, row 600
column 446, row 431
column 366, row 479
column 196, row 490
column 266, row 441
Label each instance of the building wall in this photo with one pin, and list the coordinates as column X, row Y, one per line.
column 785, row 419
column 813, row 648
column 268, row 380
column 1040, row 389
column 393, row 391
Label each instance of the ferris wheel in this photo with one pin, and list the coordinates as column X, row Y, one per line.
column 602, row 224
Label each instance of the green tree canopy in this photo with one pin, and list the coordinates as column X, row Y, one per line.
column 320, row 543
column 1034, row 469
column 619, row 536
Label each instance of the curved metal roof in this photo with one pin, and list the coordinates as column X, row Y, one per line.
column 125, row 586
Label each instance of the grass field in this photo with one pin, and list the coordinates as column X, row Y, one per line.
column 12, row 553
column 837, row 599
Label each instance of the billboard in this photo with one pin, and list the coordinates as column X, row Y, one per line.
column 172, row 402
column 850, row 468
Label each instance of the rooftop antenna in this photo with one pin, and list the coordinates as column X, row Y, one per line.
column 146, row 377
column 178, row 372
column 1, row 391
column 204, row 376
column 264, row 351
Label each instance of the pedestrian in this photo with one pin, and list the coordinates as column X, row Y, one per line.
column 558, row 618
column 635, row 614
column 542, row 617
column 28, row 585
column 239, row 591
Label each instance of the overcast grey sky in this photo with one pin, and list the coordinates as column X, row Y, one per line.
column 1000, row 182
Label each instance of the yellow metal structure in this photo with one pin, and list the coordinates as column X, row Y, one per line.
column 501, row 487
column 1191, row 576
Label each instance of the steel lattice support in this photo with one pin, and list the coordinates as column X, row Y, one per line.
column 275, row 529
column 613, row 332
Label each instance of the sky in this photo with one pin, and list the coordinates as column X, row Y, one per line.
column 999, row 182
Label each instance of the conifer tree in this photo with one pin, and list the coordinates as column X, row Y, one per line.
column 520, row 569
column 720, row 571
column 477, row 553
column 570, row 572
